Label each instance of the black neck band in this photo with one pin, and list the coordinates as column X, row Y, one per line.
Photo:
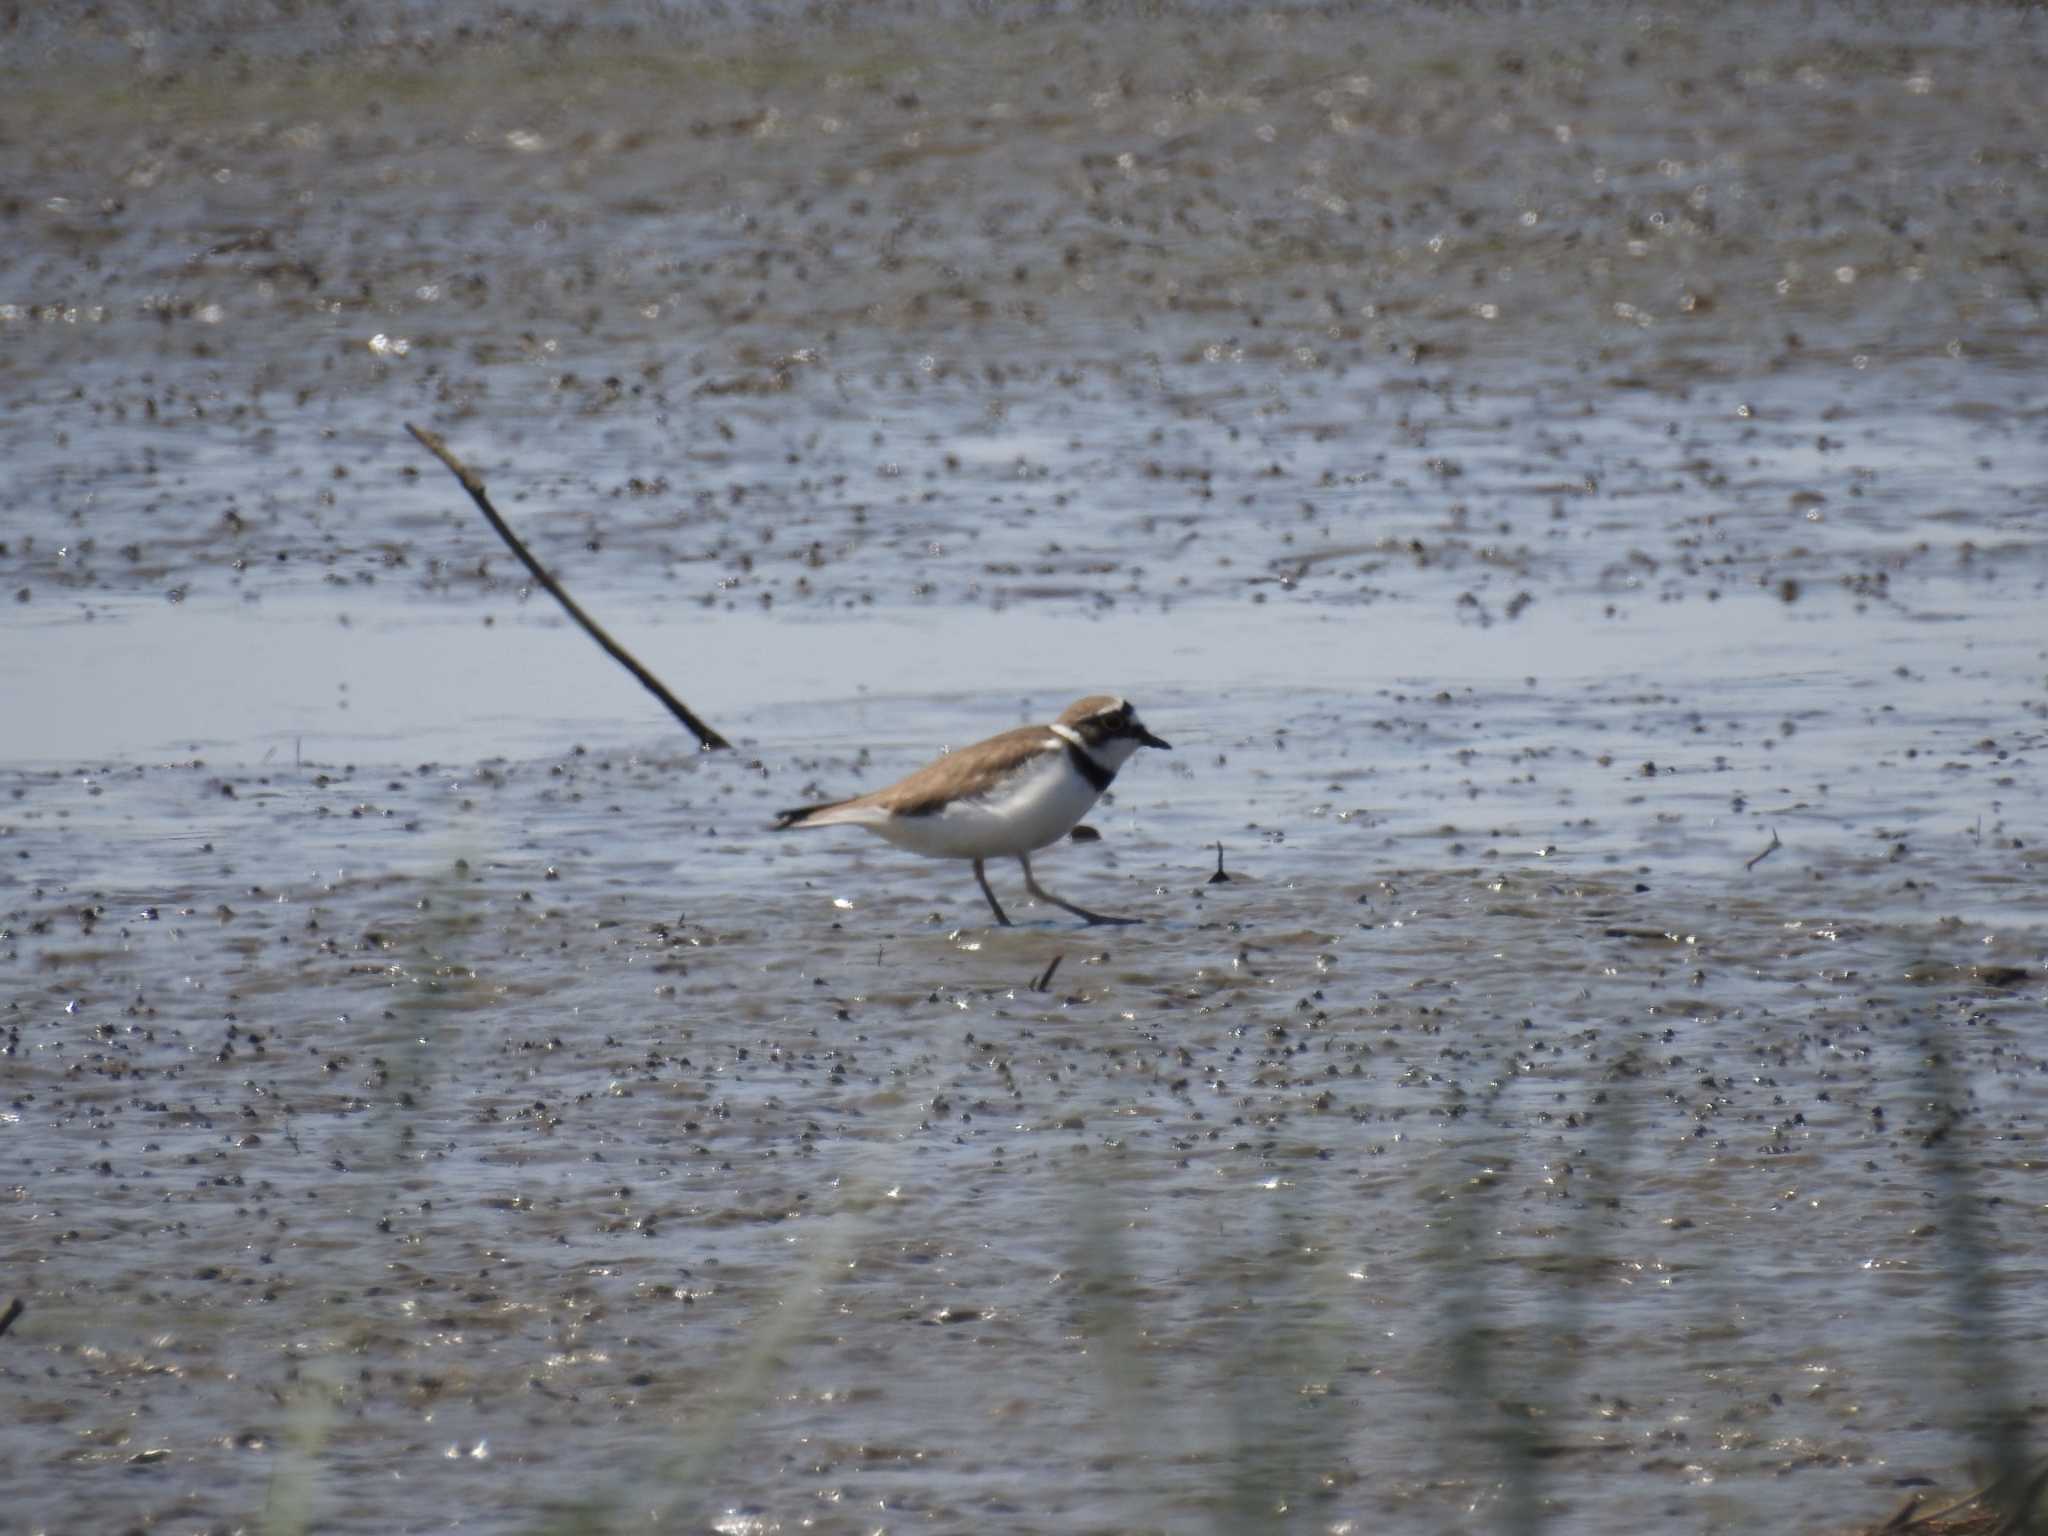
column 1090, row 769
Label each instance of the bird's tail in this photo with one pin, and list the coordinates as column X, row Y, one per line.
column 814, row 815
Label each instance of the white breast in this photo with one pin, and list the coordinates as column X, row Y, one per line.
column 1037, row 805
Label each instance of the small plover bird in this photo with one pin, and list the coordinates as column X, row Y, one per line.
column 1005, row 797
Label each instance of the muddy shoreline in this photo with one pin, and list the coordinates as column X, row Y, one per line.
column 1571, row 489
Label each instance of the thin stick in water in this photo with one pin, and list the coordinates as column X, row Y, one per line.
column 1043, row 981
column 708, row 739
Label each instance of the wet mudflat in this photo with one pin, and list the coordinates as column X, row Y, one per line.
column 1529, row 469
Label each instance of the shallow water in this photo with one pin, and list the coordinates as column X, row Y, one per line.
column 1529, row 470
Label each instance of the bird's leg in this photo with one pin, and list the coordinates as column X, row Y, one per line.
column 1031, row 884
column 993, row 905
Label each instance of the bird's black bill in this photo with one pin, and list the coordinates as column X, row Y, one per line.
column 1147, row 739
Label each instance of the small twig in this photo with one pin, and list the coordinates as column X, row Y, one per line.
column 14, row 1310
column 1219, row 878
column 1909, row 1517
column 1774, row 847
column 708, row 739
column 1043, row 982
